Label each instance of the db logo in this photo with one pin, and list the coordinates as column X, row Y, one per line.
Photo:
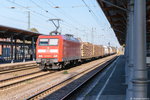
column 47, row 50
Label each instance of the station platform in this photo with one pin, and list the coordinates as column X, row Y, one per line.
column 111, row 85
column 116, row 88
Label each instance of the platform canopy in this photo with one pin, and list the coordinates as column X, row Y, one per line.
column 7, row 32
column 116, row 12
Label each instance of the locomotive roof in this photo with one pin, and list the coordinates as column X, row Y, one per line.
column 66, row 37
column 71, row 38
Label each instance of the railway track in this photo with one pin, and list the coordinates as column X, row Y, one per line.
column 13, row 78
column 15, row 66
column 24, row 67
column 14, row 81
column 75, row 90
column 54, row 88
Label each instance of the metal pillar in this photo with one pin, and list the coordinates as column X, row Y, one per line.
column 24, row 49
column 33, row 49
column 2, row 50
column 127, row 57
column 28, row 20
column 12, row 54
column 21, row 56
column 140, row 71
column 6, row 52
column 131, row 51
column 15, row 50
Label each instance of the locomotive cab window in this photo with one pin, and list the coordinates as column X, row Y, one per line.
column 43, row 42
column 53, row 42
column 48, row 42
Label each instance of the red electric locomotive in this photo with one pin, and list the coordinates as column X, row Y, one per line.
column 55, row 51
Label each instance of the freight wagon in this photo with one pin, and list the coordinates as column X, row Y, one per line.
column 86, row 50
column 106, row 50
column 56, row 51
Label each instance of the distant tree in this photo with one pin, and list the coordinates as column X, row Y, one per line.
column 34, row 30
column 123, row 45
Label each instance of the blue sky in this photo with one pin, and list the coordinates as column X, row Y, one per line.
column 77, row 18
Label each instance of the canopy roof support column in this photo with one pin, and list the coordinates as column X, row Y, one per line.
column 131, row 50
column 15, row 49
column 12, row 51
column 140, row 71
column 127, row 58
column 24, row 49
column 33, row 49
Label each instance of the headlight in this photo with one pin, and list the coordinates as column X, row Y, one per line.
column 41, row 50
column 40, row 55
column 53, row 50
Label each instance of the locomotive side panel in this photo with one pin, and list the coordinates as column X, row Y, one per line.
column 71, row 50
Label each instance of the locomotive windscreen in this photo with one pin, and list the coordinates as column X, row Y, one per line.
column 43, row 42
column 48, row 42
column 53, row 42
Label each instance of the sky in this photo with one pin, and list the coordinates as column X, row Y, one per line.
column 82, row 18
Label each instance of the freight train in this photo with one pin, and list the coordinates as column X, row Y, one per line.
column 56, row 51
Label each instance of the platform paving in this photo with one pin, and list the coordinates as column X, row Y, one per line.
column 111, row 85
column 116, row 87
column 107, row 85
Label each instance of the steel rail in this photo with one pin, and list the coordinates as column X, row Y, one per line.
column 12, row 78
column 22, row 81
column 18, row 69
column 14, row 67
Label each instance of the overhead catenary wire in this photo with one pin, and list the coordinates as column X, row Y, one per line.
column 43, row 8
column 19, row 20
column 64, row 13
column 69, row 17
column 50, row 13
column 27, row 8
column 92, row 12
column 47, row 17
column 32, row 10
